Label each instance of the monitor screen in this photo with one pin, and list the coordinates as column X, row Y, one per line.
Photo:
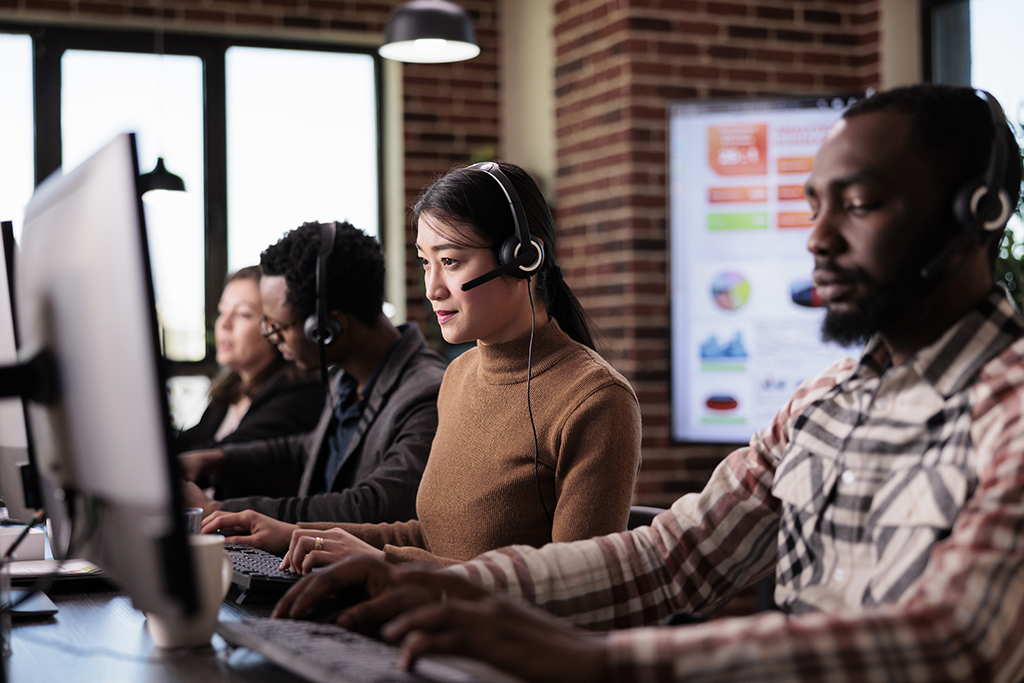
column 98, row 413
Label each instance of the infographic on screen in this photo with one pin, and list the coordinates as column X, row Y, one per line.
column 745, row 314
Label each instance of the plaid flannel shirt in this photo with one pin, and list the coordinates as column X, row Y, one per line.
column 890, row 507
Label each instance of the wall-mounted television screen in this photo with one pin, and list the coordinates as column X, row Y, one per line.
column 745, row 317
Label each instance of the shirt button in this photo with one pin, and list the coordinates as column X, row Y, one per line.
column 881, row 404
column 848, row 477
column 839, row 574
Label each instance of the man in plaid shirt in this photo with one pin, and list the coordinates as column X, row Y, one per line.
column 887, row 496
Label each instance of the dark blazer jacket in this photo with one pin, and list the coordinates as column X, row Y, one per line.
column 382, row 466
column 289, row 403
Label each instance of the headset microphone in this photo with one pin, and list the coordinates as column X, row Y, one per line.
column 510, row 260
column 981, row 207
column 509, row 268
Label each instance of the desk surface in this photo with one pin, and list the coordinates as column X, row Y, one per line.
column 98, row 636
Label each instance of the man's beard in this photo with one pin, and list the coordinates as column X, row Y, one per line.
column 886, row 306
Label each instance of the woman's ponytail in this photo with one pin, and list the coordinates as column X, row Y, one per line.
column 563, row 306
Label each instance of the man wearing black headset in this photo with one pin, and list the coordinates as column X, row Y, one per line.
column 886, row 498
column 323, row 289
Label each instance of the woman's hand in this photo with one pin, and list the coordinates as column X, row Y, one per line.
column 251, row 528
column 311, row 548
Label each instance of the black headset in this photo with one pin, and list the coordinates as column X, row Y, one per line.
column 981, row 206
column 513, row 258
column 320, row 328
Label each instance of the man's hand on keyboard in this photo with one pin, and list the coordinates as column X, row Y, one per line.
column 509, row 634
column 251, row 528
column 355, row 575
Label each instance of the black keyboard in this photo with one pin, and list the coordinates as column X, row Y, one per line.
column 326, row 653
column 258, row 572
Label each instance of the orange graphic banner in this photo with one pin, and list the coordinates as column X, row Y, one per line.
column 738, row 149
column 795, row 164
column 757, row 193
column 793, row 219
column 791, row 192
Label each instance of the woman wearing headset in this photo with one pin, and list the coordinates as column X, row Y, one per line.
column 538, row 437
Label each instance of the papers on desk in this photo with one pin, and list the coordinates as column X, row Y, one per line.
column 33, row 569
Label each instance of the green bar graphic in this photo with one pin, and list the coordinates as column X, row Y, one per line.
column 753, row 220
column 723, row 366
column 723, row 420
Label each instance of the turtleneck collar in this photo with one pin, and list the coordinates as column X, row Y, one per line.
column 506, row 363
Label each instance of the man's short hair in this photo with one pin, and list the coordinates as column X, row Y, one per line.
column 956, row 125
column 355, row 270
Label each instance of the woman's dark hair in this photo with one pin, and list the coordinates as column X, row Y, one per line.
column 228, row 387
column 470, row 197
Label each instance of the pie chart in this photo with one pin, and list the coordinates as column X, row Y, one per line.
column 730, row 290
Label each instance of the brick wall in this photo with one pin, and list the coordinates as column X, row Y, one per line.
column 451, row 110
column 618, row 64
column 451, row 117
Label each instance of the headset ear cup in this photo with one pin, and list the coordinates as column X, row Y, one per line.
column 962, row 208
column 312, row 330
column 508, row 252
column 538, row 249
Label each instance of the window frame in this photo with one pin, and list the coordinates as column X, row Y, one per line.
column 49, row 44
column 929, row 8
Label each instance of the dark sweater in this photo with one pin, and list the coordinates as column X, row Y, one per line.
column 289, row 403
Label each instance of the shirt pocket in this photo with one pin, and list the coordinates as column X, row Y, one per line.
column 912, row 510
column 926, row 496
column 803, row 481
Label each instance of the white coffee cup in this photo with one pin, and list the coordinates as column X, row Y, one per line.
column 213, row 573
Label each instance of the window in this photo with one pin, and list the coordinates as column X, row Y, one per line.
column 265, row 135
column 297, row 144
column 973, row 42
column 160, row 98
column 16, row 164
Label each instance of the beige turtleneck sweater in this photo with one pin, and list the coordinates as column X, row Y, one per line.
column 479, row 490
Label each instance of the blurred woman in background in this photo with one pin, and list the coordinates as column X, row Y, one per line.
column 257, row 395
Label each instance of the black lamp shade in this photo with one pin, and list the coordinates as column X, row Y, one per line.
column 429, row 31
column 160, row 179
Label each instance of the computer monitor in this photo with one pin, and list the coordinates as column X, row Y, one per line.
column 90, row 365
column 14, row 451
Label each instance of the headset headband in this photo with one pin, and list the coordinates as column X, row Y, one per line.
column 522, row 230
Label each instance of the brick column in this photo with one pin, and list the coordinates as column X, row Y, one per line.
column 619, row 62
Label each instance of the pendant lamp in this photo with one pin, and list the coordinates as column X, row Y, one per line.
column 160, row 179
column 429, row 31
